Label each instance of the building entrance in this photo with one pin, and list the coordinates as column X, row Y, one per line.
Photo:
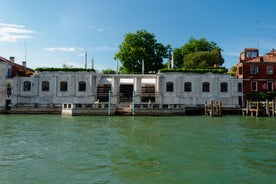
column 126, row 92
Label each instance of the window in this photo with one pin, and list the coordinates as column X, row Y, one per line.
column 251, row 54
column 254, row 86
column 239, row 87
column 205, row 87
column 269, row 69
column 224, row 87
column 269, row 86
column 63, row 86
column 27, row 86
column 45, row 86
column 82, row 86
column 187, row 87
column 169, row 87
column 254, row 69
column 9, row 91
column 240, row 70
column 8, row 74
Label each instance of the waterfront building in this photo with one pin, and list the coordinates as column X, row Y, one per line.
column 164, row 89
column 257, row 72
column 8, row 70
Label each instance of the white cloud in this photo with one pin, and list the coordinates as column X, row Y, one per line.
column 13, row 32
column 63, row 49
column 82, row 54
column 95, row 29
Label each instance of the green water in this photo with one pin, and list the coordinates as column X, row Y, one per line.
column 187, row 149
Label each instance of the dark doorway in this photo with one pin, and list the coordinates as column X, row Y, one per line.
column 8, row 102
column 126, row 92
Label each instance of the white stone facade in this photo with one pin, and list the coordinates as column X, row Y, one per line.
column 168, row 88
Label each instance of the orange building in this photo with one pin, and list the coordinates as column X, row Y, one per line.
column 258, row 72
column 8, row 70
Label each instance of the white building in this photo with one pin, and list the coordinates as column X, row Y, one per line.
column 189, row 89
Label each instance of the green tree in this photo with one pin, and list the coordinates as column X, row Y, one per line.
column 178, row 58
column 198, row 53
column 142, row 46
column 108, row 71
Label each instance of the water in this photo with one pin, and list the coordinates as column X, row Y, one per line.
column 101, row 150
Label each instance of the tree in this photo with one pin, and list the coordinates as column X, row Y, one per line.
column 108, row 71
column 142, row 46
column 198, row 53
column 178, row 58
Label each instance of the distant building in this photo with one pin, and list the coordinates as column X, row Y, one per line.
column 8, row 70
column 258, row 72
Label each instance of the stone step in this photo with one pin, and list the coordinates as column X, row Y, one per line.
column 123, row 111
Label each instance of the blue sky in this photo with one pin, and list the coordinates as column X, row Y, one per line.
column 50, row 33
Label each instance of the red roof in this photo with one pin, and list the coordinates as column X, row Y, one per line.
column 268, row 57
column 14, row 64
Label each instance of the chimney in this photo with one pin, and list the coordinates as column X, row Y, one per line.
column 12, row 59
column 24, row 64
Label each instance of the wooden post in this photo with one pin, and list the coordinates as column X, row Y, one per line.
column 257, row 112
column 212, row 108
column 217, row 107
column 247, row 107
column 205, row 107
column 273, row 107
column 267, row 107
column 220, row 108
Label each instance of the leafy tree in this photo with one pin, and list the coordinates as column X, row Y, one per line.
column 108, row 71
column 64, row 65
column 178, row 58
column 142, row 46
column 198, row 53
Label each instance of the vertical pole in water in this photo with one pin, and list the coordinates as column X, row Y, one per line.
column 267, row 107
column 133, row 110
column 109, row 102
column 212, row 108
column 220, row 108
column 205, row 108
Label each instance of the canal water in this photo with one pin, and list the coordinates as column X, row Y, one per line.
column 120, row 149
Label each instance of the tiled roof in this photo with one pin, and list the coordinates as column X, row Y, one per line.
column 4, row 59
column 15, row 64
column 268, row 57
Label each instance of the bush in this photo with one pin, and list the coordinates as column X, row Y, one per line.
column 64, row 70
column 220, row 70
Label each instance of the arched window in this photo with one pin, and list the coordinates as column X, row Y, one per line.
column 205, row 87
column 27, row 86
column 82, row 86
column 169, row 87
column 187, row 86
column 45, row 86
column 9, row 90
column 63, row 86
column 224, row 87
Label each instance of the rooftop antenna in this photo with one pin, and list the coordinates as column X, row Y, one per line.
column 257, row 30
column 172, row 62
column 25, row 50
column 117, row 66
column 85, row 61
column 92, row 63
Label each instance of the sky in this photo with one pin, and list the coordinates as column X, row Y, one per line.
column 51, row 33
